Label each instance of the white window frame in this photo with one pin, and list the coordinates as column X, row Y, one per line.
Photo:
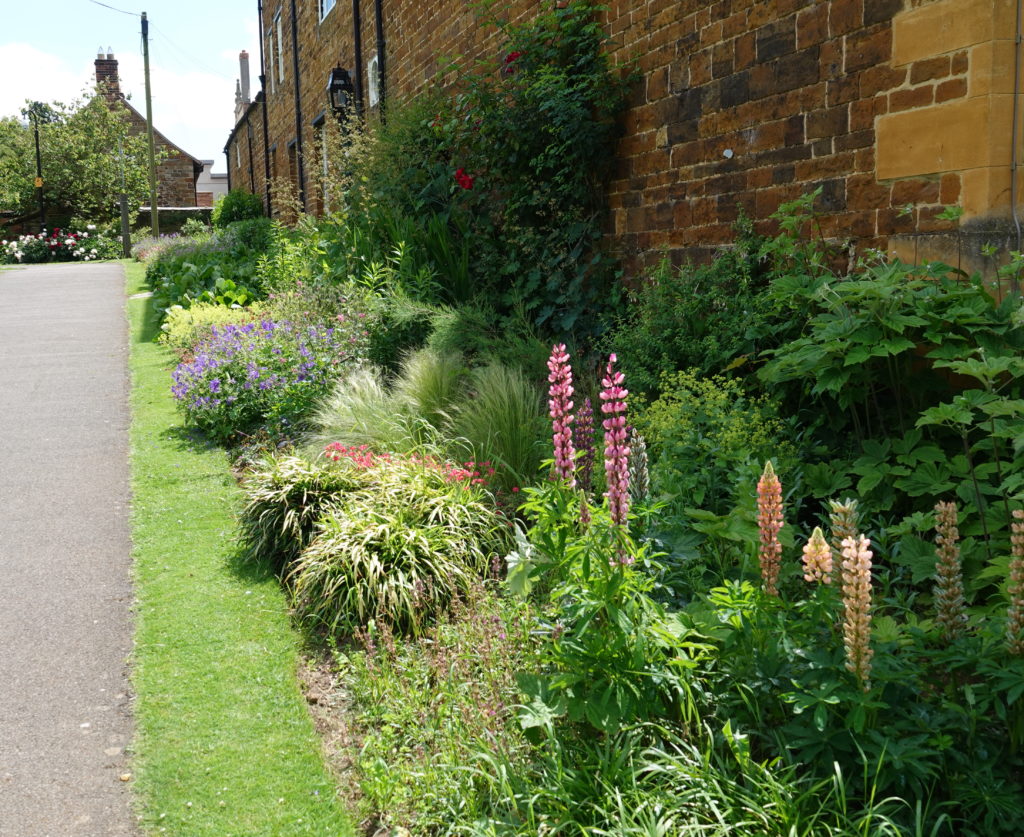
column 279, row 44
column 373, row 81
column 270, row 57
column 325, row 7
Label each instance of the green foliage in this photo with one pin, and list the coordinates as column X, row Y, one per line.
column 221, row 269
column 613, row 656
column 494, row 196
column 397, row 552
column 707, row 436
column 425, row 710
column 85, row 148
column 709, row 317
column 236, row 205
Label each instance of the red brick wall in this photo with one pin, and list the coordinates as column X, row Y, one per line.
column 741, row 104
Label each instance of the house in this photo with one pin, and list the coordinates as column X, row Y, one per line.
column 895, row 109
column 210, row 185
column 178, row 172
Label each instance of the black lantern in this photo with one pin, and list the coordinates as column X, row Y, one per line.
column 340, row 91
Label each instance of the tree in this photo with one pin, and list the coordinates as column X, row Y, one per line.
column 86, row 147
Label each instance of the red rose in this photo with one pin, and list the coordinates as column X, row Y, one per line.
column 463, row 179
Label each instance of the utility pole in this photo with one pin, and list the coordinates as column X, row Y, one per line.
column 126, row 234
column 153, row 214
column 36, row 107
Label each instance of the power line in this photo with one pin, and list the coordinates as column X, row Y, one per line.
column 113, row 8
column 163, row 36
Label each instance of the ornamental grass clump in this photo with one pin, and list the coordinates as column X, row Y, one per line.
column 856, row 575
column 769, row 524
column 950, row 607
column 560, row 409
column 398, row 551
column 267, row 374
column 817, row 558
column 285, row 497
column 1015, row 617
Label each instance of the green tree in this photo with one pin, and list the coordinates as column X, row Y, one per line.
column 85, row 147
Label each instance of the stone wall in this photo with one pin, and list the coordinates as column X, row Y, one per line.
column 893, row 108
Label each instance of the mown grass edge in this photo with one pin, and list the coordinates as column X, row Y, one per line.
column 224, row 743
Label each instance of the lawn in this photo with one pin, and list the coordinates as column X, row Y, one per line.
column 224, row 743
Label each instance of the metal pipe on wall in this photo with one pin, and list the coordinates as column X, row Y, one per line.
column 357, row 49
column 1015, row 138
column 378, row 14
column 263, row 90
column 298, row 109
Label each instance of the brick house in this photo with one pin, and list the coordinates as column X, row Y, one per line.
column 894, row 108
column 177, row 173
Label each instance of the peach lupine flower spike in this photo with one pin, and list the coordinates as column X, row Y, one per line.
column 769, row 523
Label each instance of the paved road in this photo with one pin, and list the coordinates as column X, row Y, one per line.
column 65, row 591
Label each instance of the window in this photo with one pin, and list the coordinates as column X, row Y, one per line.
column 279, row 51
column 373, row 76
column 325, row 7
column 238, row 152
column 270, row 58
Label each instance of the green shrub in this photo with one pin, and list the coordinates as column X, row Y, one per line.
column 236, row 205
column 397, row 552
column 220, row 268
column 184, row 328
column 705, row 433
column 285, row 497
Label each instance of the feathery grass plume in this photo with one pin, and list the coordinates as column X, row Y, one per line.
column 817, row 558
column 845, row 519
column 616, row 446
column 639, row 470
column 560, row 409
column 769, row 523
column 1015, row 617
column 583, row 439
column 950, row 607
column 856, row 571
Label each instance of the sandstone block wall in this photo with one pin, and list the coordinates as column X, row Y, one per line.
column 893, row 108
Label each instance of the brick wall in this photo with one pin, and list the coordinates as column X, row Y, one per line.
column 741, row 105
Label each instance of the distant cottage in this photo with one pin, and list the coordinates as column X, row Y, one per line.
column 177, row 174
column 895, row 109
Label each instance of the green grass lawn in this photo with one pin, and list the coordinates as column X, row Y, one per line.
column 224, row 744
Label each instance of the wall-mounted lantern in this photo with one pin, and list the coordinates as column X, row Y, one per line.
column 340, row 92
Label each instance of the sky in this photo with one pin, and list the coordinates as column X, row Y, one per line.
column 193, row 56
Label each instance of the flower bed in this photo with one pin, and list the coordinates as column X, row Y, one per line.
column 261, row 374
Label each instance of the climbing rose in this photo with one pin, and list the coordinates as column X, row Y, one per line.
column 769, row 522
column 560, row 409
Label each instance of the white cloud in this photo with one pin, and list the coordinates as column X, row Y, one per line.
column 193, row 108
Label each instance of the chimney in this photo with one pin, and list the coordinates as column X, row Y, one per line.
column 243, row 70
column 106, row 74
column 242, row 85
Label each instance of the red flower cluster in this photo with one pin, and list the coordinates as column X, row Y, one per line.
column 463, row 179
column 471, row 473
column 361, row 457
column 508, row 62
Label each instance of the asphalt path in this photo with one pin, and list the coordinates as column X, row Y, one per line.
column 65, row 588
